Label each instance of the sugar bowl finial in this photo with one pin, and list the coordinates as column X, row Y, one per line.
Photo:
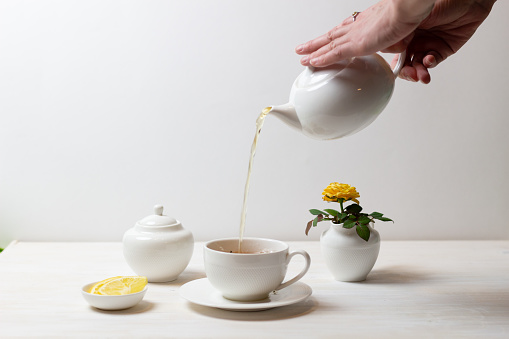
column 158, row 209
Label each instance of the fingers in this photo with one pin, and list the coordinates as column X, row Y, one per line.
column 407, row 72
column 432, row 59
column 421, row 71
column 415, row 70
column 330, row 55
column 313, row 45
column 426, row 52
column 394, row 61
column 322, row 51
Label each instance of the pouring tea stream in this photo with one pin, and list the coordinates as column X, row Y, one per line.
column 330, row 103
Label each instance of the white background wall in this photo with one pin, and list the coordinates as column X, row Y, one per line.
column 109, row 107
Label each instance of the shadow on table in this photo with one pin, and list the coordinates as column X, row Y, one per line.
column 143, row 306
column 184, row 277
column 398, row 275
column 279, row 313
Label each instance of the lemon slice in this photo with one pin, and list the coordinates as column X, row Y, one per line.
column 94, row 289
column 119, row 285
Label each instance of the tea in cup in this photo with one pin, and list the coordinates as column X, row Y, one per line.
column 251, row 275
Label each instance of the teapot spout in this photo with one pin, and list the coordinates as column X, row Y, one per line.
column 287, row 114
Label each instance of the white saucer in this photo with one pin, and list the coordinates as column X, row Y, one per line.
column 201, row 292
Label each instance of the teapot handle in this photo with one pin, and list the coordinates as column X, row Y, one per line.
column 399, row 64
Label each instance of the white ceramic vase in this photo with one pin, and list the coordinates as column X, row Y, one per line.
column 158, row 247
column 347, row 256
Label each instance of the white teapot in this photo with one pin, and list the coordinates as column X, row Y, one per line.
column 341, row 99
column 158, row 247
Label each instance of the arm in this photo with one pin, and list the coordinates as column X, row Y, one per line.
column 430, row 31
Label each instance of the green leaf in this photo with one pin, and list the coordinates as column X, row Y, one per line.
column 376, row 215
column 316, row 220
column 342, row 217
column 316, row 212
column 349, row 223
column 353, row 209
column 363, row 232
column 364, row 220
column 352, row 217
column 332, row 212
column 385, row 219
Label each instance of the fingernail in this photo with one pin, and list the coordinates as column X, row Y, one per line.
column 432, row 62
column 314, row 61
column 299, row 48
column 304, row 60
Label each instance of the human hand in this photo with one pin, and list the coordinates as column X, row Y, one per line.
column 428, row 35
column 449, row 26
column 387, row 25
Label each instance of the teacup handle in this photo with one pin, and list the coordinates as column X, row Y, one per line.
column 399, row 64
column 301, row 274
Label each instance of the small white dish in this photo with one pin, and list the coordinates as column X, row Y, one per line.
column 112, row 302
column 201, row 292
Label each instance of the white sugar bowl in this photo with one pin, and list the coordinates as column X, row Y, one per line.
column 158, row 247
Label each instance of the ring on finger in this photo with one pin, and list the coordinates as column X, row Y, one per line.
column 354, row 16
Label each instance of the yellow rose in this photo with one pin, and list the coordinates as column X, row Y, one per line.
column 336, row 191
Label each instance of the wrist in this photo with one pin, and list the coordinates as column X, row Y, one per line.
column 412, row 11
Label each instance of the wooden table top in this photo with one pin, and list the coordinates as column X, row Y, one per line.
column 417, row 289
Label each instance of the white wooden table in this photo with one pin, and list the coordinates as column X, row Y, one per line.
column 434, row 289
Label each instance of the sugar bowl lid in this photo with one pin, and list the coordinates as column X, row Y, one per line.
column 158, row 219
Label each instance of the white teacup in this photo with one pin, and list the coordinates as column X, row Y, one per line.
column 252, row 274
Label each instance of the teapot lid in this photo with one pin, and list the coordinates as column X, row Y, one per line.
column 311, row 76
column 158, row 219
